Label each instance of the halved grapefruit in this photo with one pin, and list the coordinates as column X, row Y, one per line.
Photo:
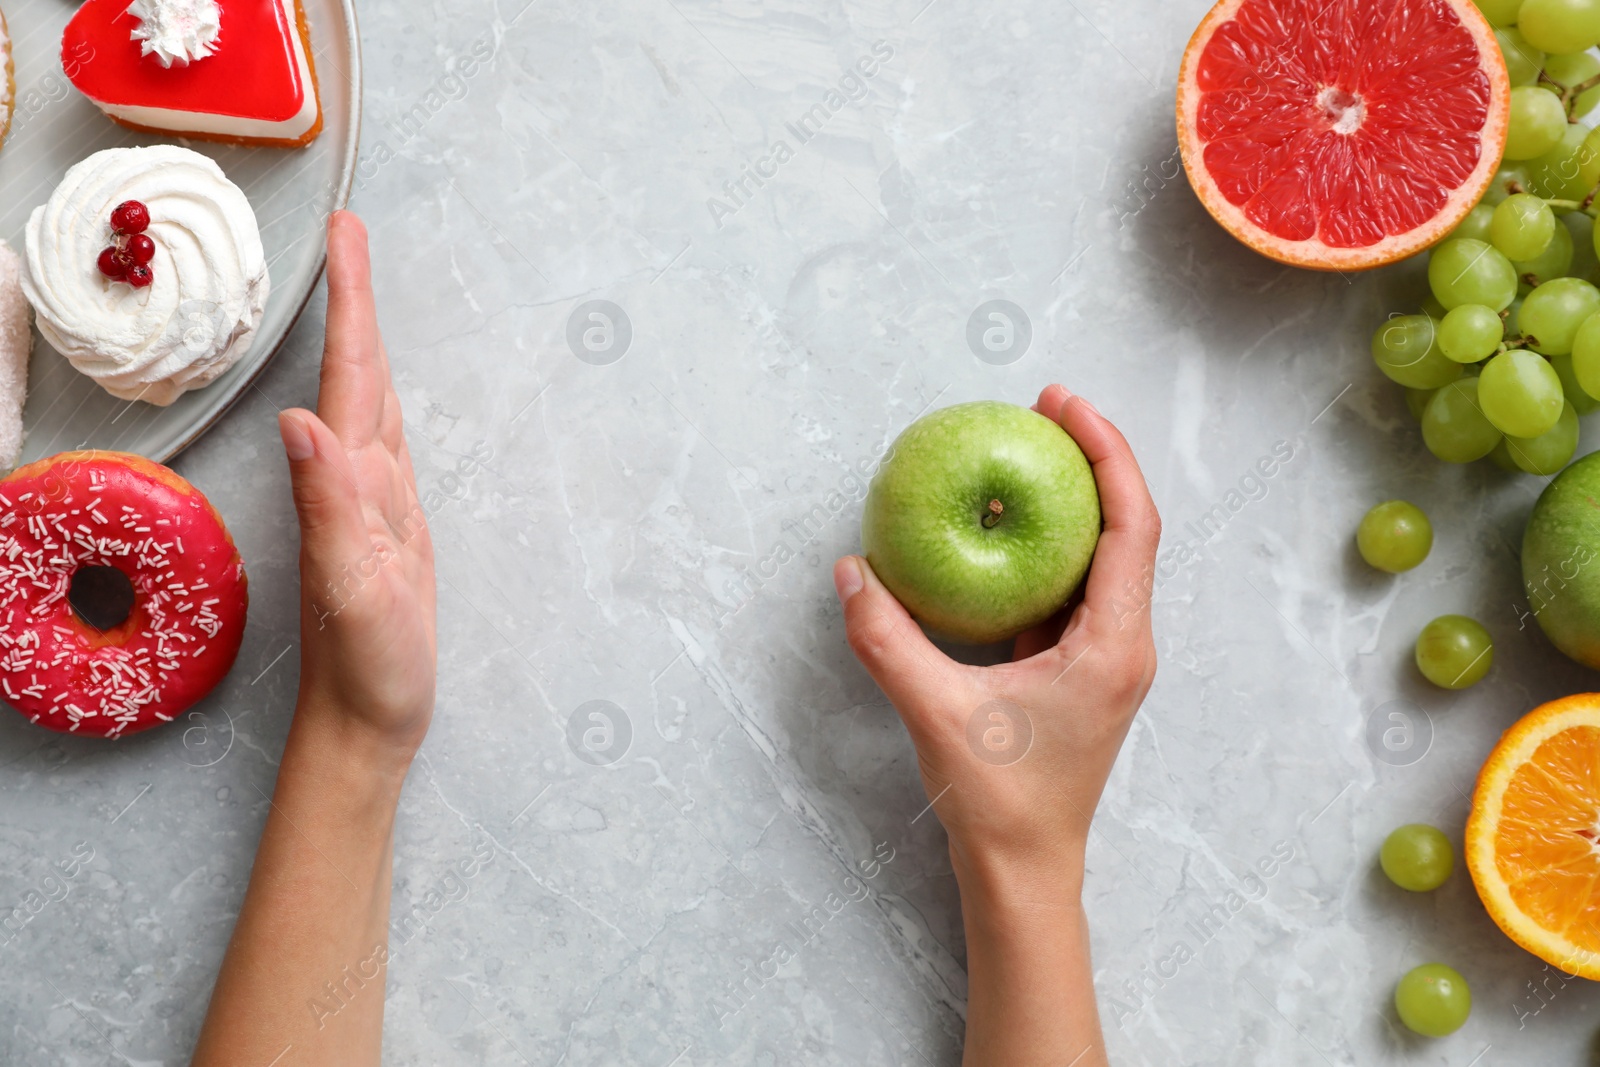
column 1533, row 838
column 1342, row 134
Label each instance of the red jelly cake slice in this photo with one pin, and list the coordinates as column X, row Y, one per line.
column 221, row 70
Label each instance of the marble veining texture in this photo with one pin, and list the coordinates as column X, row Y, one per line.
column 656, row 531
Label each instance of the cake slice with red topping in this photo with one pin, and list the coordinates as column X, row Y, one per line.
column 239, row 71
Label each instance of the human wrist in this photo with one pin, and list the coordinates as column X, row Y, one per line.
column 339, row 736
column 1006, row 883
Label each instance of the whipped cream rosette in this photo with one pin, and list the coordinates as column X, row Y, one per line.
column 198, row 315
column 176, row 32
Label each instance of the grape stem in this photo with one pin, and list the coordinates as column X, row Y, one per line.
column 1586, row 205
column 1570, row 95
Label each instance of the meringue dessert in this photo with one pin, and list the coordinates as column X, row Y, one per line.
column 145, row 269
column 224, row 70
column 16, row 342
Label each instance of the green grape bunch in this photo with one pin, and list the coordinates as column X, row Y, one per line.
column 1503, row 359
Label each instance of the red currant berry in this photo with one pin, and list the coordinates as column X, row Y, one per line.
column 112, row 264
column 141, row 248
column 139, row 276
column 130, row 216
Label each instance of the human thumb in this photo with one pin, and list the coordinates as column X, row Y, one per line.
column 325, row 496
column 908, row 668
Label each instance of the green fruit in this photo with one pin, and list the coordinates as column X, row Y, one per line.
column 1559, row 554
column 1537, row 122
column 1433, row 1000
column 1522, row 59
column 1560, row 27
column 1582, row 403
column 982, row 521
column 1406, row 348
column 1550, row 451
column 1394, row 536
column 1454, row 652
column 1512, row 177
column 1475, row 225
column 1417, row 401
column 1552, row 313
column 1472, row 272
column 1558, row 173
column 1520, row 393
column 1554, row 262
column 1417, row 857
column 1500, row 12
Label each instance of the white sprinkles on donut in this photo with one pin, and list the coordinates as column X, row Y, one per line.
column 64, row 673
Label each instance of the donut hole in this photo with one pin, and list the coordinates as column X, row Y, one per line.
column 101, row 596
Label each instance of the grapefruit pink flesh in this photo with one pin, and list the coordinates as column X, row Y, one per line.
column 1343, row 123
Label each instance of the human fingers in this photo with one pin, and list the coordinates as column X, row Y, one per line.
column 1123, row 571
column 908, row 668
column 355, row 376
column 332, row 524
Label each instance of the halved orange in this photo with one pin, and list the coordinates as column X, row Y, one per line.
column 1342, row 134
column 1533, row 838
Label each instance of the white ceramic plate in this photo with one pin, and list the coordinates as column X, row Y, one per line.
column 292, row 190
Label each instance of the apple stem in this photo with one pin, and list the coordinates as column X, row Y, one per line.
column 996, row 509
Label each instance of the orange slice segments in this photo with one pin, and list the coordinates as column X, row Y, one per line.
column 1533, row 838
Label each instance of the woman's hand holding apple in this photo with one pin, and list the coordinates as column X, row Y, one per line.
column 1014, row 758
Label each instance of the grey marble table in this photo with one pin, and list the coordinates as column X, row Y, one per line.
column 791, row 215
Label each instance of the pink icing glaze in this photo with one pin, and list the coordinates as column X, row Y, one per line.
column 81, row 509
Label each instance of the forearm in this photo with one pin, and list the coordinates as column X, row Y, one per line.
column 1030, row 992
column 305, row 969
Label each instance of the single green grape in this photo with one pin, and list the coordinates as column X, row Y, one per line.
column 1586, row 356
column 1475, row 224
column 1470, row 333
column 1554, row 262
column 1499, row 12
column 1406, row 348
column 1536, row 123
column 1551, row 450
column 1520, row 393
column 1453, row 426
column 1552, row 313
column 1511, row 178
column 1417, row 401
column 1571, row 69
column 1417, row 857
column 1571, row 388
column 1522, row 226
column 1454, row 651
column 1394, row 536
column 1433, row 1000
column 1560, row 27
column 1522, row 59
column 1471, row 272
column 1557, row 174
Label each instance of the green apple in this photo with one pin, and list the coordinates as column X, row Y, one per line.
column 1561, row 560
column 982, row 520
